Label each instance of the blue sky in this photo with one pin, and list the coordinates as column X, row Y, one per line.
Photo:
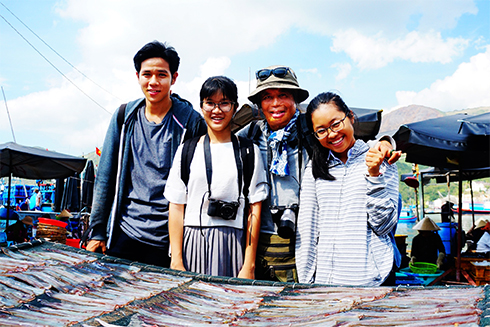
column 376, row 54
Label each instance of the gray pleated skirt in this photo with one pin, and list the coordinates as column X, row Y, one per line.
column 219, row 252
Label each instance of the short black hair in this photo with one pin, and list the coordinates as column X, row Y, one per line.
column 219, row 83
column 157, row 49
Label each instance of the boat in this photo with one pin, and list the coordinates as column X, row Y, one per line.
column 479, row 207
column 407, row 215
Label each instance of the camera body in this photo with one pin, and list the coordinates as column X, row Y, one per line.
column 285, row 220
column 223, row 209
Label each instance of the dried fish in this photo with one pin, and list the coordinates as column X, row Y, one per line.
column 12, row 283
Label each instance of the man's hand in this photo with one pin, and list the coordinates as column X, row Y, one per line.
column 386, row 149
column 96, row 246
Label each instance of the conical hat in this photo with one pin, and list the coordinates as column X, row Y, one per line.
column 426, row 224
column 480, row 223
column 65, row 214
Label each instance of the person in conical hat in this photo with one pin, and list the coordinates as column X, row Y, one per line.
column 65, row 214
column 475, row 233
column 427, row 246
column 426, row 224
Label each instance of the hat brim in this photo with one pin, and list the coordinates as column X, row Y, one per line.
column 426, row 224
column 300, row 94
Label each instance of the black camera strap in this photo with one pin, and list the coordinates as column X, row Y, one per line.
column 208, row 162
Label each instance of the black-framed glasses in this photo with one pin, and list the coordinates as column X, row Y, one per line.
column 335, row 127
column 279, row 72
column 224, row 106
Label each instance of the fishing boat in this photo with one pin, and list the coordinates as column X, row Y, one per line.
column 478, row 207
column 407, row 215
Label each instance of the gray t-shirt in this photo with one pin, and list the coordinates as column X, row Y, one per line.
column 144, row 214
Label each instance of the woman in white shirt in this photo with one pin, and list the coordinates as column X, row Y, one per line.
column 204, row 238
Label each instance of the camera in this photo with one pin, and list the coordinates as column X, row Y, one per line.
column 222, row 209
column 285, row 219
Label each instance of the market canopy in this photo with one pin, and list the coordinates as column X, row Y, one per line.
column 442, row 143
column 476, row 125
column 438, row 143
column 34, row 163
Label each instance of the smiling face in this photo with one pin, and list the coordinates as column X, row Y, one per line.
column 338, row 142
column 278, row 106
column 155, row 80
column 218, row 121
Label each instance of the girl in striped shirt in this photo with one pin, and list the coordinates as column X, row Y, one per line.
column 348, row 203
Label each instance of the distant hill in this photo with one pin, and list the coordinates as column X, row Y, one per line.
column 414, row 113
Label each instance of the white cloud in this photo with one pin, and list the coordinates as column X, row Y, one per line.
column 377, row 51
column 468, row 87
column 207, row 34
column 344, row 70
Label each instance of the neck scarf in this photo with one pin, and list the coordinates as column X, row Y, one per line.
column 278, row 144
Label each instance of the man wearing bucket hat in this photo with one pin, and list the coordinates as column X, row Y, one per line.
column 427, row 246
column 283, row 139
column 18, row 232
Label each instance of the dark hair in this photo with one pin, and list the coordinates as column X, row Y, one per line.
column 321, row 154
column 219, row 83
column 157, row 49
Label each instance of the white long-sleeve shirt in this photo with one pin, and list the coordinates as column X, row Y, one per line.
column 343, row 224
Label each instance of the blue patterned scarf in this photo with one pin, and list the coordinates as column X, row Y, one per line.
column 278, row 144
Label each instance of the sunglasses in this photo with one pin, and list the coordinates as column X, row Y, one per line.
column 279, row 72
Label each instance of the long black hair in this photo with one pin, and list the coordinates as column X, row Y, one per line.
column 321, row 154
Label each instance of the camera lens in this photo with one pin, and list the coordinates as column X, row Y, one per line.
column 287, row 224
column 228, row 211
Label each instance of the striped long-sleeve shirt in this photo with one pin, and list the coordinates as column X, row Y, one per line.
column 343, row 224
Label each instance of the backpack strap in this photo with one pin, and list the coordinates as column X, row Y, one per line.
column 254, row 130
column 247, row 155
column 188, row 150
column 120, row 115
column 248, row 160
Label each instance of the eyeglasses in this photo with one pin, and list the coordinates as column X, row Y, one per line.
column 280, row 72
column 335, row 127
column 224, row 106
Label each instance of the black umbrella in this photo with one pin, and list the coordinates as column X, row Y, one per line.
column 476, row 125
column 88, row 185
column 34, row 163
column 369, row 123
column 438, row 143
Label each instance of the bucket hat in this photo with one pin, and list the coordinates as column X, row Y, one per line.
column 27, row 220
column 288, row 81
column 426, row 224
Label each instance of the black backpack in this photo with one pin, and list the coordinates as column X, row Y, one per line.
column 247, row 156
